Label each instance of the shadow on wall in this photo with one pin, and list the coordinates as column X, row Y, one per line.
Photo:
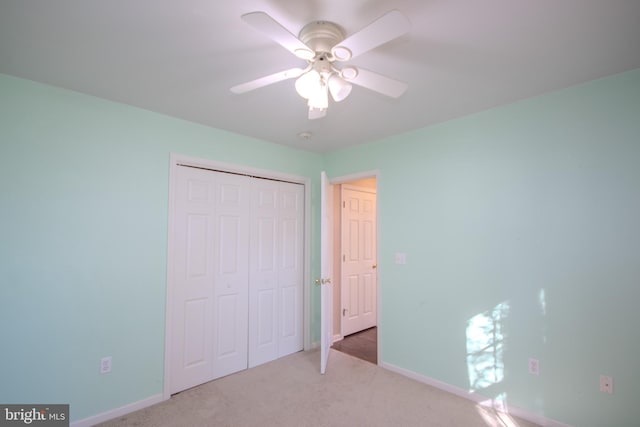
column 486, row 341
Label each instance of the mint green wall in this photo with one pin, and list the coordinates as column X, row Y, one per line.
column 83, row 240
column 523, row 220
column 524, row 217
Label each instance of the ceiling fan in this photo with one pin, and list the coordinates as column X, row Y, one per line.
column 323, row 44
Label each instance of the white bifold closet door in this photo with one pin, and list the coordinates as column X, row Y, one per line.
column 237, row 296
column 275, row 276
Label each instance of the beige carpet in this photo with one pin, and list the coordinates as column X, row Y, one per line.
column 291, row 392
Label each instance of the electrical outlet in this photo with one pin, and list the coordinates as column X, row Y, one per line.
column 534, row 366
column 105, row 365
column 606, row 384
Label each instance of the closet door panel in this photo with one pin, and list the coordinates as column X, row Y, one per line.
column 194, row 235
column 263, row 283
column 231, row 282
column 290, row 271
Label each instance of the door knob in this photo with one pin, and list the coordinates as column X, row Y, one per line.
column 374, row 266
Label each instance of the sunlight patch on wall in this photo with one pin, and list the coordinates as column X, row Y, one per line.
column 485, row 347
column 543, row 301
column 494, row 412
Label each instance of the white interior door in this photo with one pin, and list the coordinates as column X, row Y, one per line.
column 236, row 284
column 263, row 295
column 276, row 271
column 231, row 280
column 359, row 264
column 290, row 268
column 210, row 293
column 326, row 291
column 191, row 352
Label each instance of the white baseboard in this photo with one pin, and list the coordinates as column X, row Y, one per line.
column 118, row 412
column 337, row 337
column 475, row 397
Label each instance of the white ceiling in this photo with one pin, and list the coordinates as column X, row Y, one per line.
column 180, row 57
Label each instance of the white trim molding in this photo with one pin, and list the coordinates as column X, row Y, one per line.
column 499, row 409
column 118, row 412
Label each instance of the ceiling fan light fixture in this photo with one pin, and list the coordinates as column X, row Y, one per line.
column 308, row 84
column 339, row 88
column 320, row 99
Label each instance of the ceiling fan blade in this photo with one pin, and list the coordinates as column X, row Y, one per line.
column 379, row 83
column 276, row 32
column 291, row 73
column 389, row 26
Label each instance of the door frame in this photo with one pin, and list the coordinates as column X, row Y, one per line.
column 346, row 179
column 180, row 159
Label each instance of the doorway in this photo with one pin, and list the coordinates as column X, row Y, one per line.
column 363, row 345
column 355, row 299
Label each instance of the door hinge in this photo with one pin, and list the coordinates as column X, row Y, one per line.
column 344, row 204
column 344, row 312
column 344, row 258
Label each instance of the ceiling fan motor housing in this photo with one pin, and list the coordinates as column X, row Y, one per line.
column 321, row 36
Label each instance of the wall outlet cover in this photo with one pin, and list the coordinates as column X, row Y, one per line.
column 401, row 258
column 105, row 365
column 606, row 384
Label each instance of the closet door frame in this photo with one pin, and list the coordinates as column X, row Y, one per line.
column 179, row 159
